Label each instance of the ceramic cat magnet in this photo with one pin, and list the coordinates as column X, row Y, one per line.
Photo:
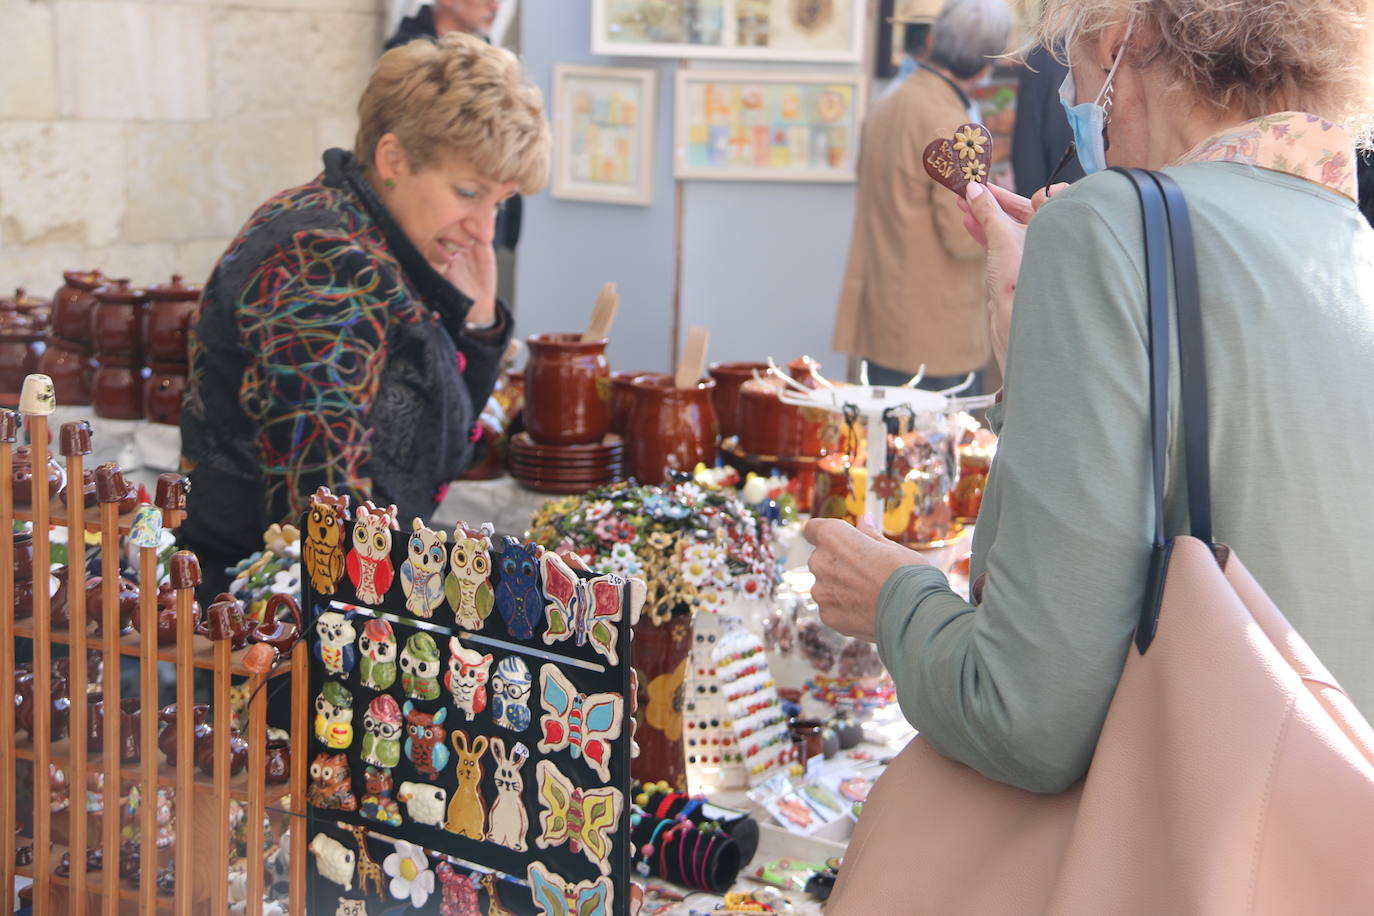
column 377, row 655
column 420, row 667
column 585, row 609
column 382, row 732
column 467, row 809
column 422, row 573
column 584, row 724
column 958, row 162
column 322, row 555
column 425, row 734
column 424, row 802
column 468, row 585
column 334, row 716
column 334, row 860
column 466, row 678
column 518, row 598
column 584, row 819
column 331, row 783
column 335, row 647
column 510, row 694
column 557, row 897
column 508, row 821
column 369, row 562
column 377, row 804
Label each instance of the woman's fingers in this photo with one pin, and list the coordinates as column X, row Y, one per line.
column 1013, row 204
column 1044, row 194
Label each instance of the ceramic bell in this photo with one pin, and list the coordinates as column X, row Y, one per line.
column 37, row 398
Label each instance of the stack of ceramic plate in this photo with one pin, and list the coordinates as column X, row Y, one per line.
column 566, row 468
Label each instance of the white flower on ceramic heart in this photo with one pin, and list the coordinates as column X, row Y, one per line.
column 410, row 874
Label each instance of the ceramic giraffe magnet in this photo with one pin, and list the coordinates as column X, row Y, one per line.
column 585, row 724
column 467, row 809
column 422, row 573
column 334, row 716
column 466, row 678
column 518, row 598
column 420, row 667
column 322, row 555
column 556, row 897
column 335, row 646
column 468, row 586
column 510, row 694
column 382, row 732
column 331, row 783
column 425, row 734
column 377, row 655
column 369, row 562
column 958, row 162
column 583, row 819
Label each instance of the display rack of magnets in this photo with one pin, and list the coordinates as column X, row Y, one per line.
column 714, row 760
column 751, row 700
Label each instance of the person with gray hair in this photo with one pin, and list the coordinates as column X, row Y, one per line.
column 913, row 284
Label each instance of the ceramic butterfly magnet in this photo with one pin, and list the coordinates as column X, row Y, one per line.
column 377, row 651
column 382, row 732
column 467, row 809
column 425, row 734
column 556, row 897
column 369, row 562
column 510, row 694
column 959, row 162
column 331, row 783
column 335, row 646
column 585, row 609
column 468, row 585
column 582, row 819
column 334, row 716
column 466, row 678
column 420, row 667
column 584, row 724
column 322, row 555
column 422, row 573
column 518, row 598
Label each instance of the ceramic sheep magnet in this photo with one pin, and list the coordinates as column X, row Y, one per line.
column 377, row 804
column 510, row 694
column 425, row 734
column 322, row 555
column 509, row 821
column 518, row 598
column 420, row 667
column 377, row 655
column 468, row 585
column 334, row 716
column 334, row 860
column 335, row 648
column 424, row 803
column 467, row 810
column 466, row 678
column 382, row 732
column 422, row 573
column 369, row 562
column 331, row 783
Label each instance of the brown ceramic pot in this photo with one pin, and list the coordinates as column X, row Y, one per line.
column 622, row 399
column 117, row 391
column 281, row 635
column 167, row 615
column 224, row 619
column 567, row 390
column 127, row 599
column 163, row 390
column 74, row 438
column 116, row 319
column 670, row 428
column 71, row 369
column 278, row 761
column 23, row 573
column 21, row 352
column 72, row 305
column 22, row 475
column 87, row 488
column 172, row 308
column 238, row 753
column 24, row 310
column 111, row 487
column 24, row 708
column 200, row 729
column 729, row 377
column 767, row 426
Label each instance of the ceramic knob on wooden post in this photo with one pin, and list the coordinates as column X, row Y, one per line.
column 170, row 497
column 74, row 438
column 9, row 425
column 184, row 570
column 111, row 487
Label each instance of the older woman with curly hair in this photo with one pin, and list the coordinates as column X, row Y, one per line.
column 350, row 334
column 1254, row 110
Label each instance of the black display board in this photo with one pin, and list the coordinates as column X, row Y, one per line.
column 453, row 637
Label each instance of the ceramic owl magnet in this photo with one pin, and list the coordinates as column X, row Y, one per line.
column 351, row 908
column 382, row 732
column 425, row 734
column 335, row 646
column 322, row 556
column 377, row 655
column 518, row 597
column 369, row 562
column 422, row 573
column 331, row 783
column 378, row 804
column 466, row 678
column 467, row 809
column 510, row 694
column 468, row 585
column 334, row 716
column 420, row 667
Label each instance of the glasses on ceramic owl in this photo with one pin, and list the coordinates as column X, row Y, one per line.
column 513, row 692
column 387, row 730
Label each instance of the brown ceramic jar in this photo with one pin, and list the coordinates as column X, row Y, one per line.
column 278, row 761
column 117, row 392
column 167, row 615
column 163, row 391
column 127, row 600
column 670, row 428
column 71, row 369
column 72, row 305
column 172, row 308
column 729, row 377
column 116, row 319
column 567, row 390
column 21, row 352
column 23, row 575
column 767, row 426
column 622, row 399
column 22, row 476
column 200, row 729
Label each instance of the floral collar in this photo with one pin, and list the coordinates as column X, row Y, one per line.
column 1293, row 142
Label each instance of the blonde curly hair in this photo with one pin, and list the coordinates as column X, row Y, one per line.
column 1255, row 56
column 457, row 95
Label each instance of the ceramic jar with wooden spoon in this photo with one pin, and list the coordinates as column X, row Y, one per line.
column 672, row 425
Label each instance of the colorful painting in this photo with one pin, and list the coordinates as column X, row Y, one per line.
column 603, row 118
column 767, row 126
column 809, row 30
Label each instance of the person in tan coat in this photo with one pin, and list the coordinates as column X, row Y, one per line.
column 913, row 287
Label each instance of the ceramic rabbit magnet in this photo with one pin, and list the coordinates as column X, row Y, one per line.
column 584, row 724
column 962, row 161
column 508, row 821
column 424, row 803
column 422, row 573
column 322, row 555
column 369, row 562
column 510, row 694
column 586, row 609
column 466, row 678
column 377, row 804
column 468, row 586
column 584, row 819
column 467, row 810
column 333, row 859
column 335, row 646
column 425, row 734
column 331, row 783
column 557, row 897
column 334, row 716
column 518, row 597
column 382, row 732
column 377, row 655
column 420, row 667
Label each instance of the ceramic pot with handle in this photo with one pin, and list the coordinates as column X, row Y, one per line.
column 72, row 305
column 116, row 320
column 729, row 377
column 670, row 429
column 71, row 369
column 567, row 390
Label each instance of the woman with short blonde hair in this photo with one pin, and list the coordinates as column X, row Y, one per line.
column 351, row 333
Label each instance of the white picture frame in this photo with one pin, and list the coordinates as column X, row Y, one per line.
column 812, row 123
column 603, row 119
column 811, row 31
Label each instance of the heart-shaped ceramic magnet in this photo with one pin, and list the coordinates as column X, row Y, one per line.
column 966, row 158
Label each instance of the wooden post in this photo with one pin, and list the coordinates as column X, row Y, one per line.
column 257, row 789
column 9, row 431
column 75, row 446
column 300, row 739
column 219, row 888
column 185, row 576
column 109, row 626
column 42, row 654
column 148, row 753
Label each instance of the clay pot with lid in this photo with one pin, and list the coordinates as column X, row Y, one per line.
column 567, row 390
column 117, row 391
column 729, row 377
column 117, row 318
column 163, row 391
column 71, row 369
column 172, row 308
column 22, row 474
column 21, row 354
column 622, row 399
column 24, row 310
column 670, row 428
column 23, row 575
column 72, row 305
column 167, row 615
column 767, row 426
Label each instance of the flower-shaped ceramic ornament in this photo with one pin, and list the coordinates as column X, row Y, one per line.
column 410, row 874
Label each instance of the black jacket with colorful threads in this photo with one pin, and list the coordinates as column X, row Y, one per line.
column 328, row 352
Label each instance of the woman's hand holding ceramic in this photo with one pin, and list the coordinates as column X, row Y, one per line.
column 850, row 565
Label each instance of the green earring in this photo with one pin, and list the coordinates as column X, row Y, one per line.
column 390, row 184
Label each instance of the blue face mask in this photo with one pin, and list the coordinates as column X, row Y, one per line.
column 1088, row 121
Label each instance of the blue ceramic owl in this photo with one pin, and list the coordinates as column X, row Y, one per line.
column 510, row 694
column 518, row 598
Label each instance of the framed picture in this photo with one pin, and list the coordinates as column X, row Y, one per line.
column 767, row 126
column 603, row 134
column 805, row 30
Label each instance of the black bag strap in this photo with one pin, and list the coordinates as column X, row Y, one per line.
column 1166, row 219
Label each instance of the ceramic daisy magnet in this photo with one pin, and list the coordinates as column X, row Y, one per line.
column 422, row 573
column 323, row 555
column 425, row 736
column 510, row 694
column 382, row 732
column 334, row 716
column 468, row 585
column 331, row 783
column 410, row 874
column 335, row 647
column 467, row 809
column 334, row 860
column 369, row 562
column 377, row 655
column 420, row 667
column 466, row 678
column 584, row 820
column 556, row 897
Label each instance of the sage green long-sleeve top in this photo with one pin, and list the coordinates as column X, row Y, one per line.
column 1018, row 687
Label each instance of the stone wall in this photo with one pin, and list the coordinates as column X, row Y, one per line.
column 137, row 137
